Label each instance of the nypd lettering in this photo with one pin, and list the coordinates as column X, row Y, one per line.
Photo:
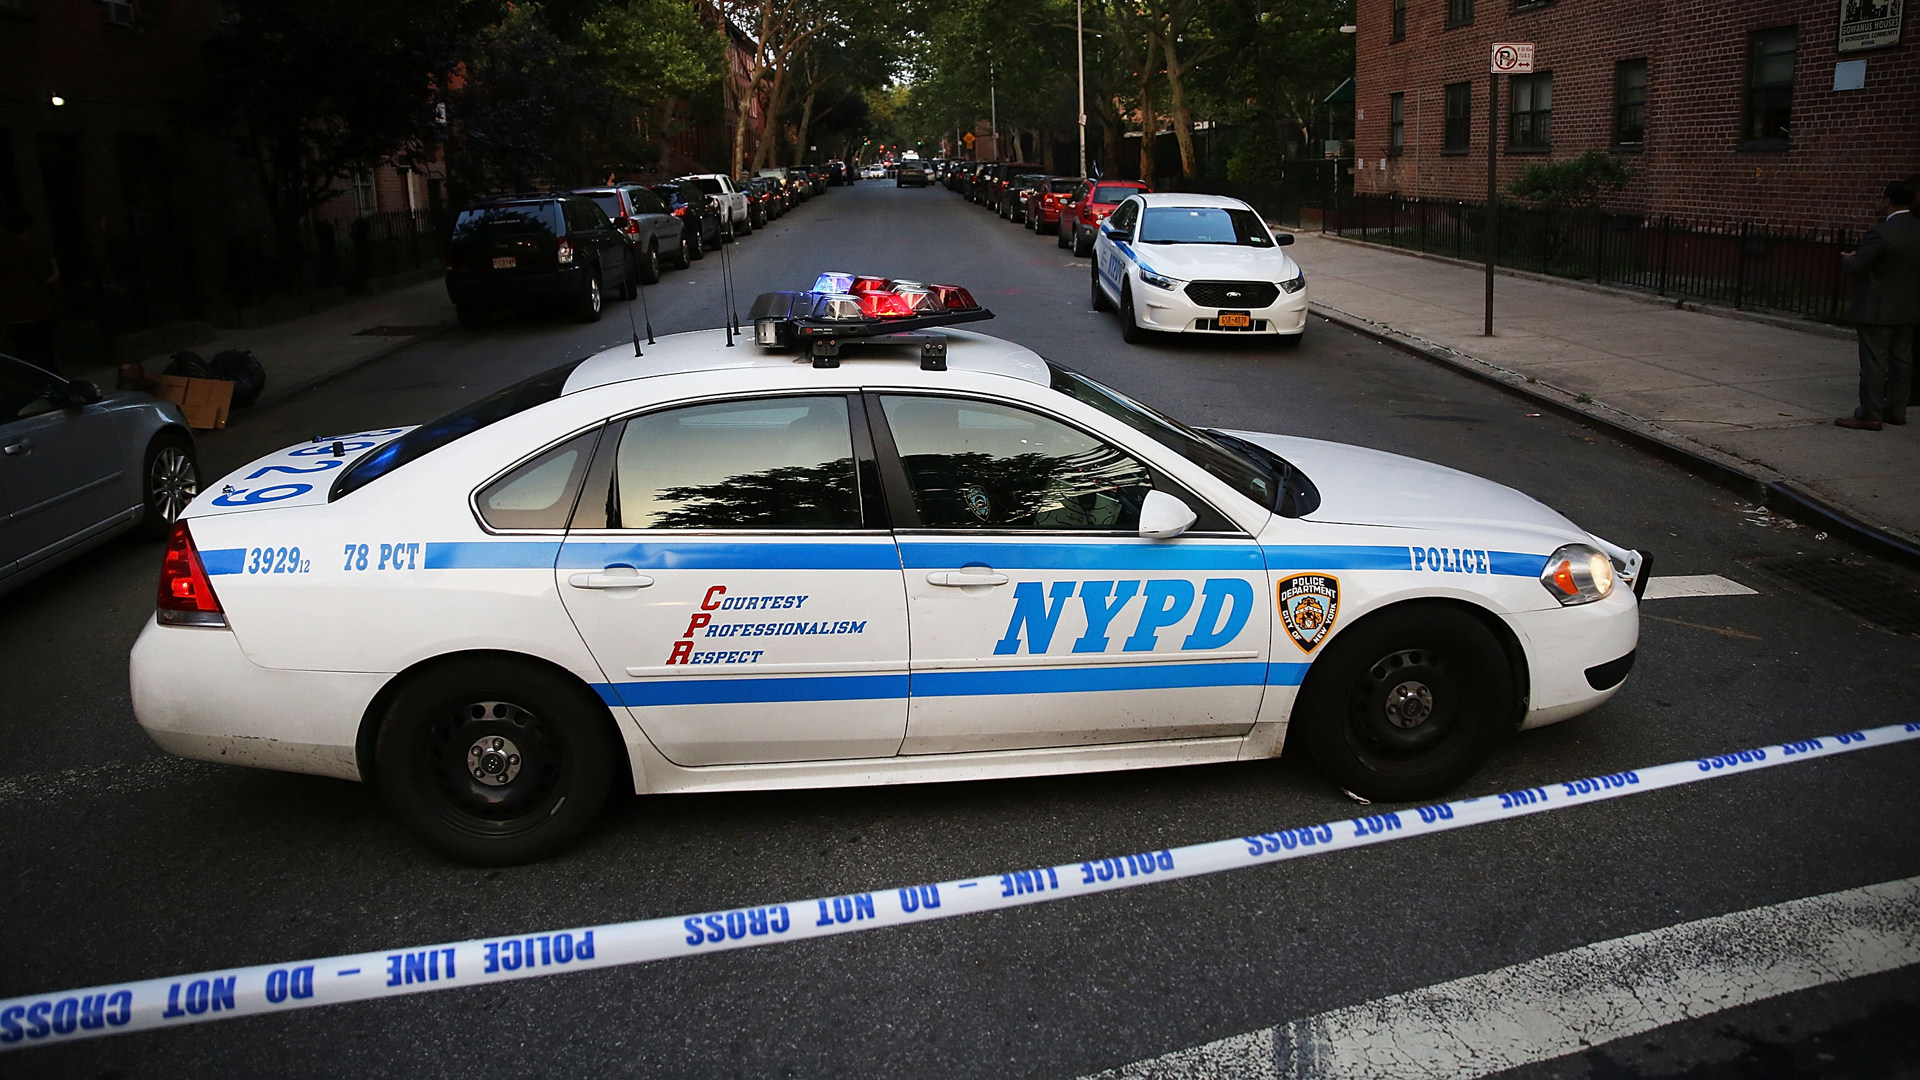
column 1225, row 605
column 1450, row 560
column 1309, row 604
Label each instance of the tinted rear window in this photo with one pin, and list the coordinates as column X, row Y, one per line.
column 669, row 192
column 711, row 187
column 1062, row 187
column 435, row 434
column 607, row 201
column 512, row 219
column 1112, row 193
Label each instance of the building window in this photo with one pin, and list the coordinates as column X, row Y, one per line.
column 1630, row 103
column 1523, row 5
column 117, row 12
column 1399, row 30
column 1459, row 12
column 364, row 200
column 1459, row 137
column 1396, row 124
column 1769, row 86
column 1530, row 127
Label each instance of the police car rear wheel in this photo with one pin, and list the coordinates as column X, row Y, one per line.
column 1408, row 704
column 494, row 764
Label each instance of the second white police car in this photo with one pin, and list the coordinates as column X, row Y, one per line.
column 721, row 567
column 1197, row 264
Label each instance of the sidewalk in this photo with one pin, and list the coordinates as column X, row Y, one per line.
column 1749, row 396
column 301, row 352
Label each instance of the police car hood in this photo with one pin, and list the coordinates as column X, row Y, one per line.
column 1216, row 262
column 297, row 475
column 1368, row 487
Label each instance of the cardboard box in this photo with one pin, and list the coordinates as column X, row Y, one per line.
column 204, row 401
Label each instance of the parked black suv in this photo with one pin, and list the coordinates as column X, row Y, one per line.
column 551, row 246
column 697, row 211
column 910, row 172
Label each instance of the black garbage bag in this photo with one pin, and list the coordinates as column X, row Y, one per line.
column 188, row 365
column 243, row 369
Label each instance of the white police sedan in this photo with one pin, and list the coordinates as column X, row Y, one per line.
column 1197, row 264
column 721, row 567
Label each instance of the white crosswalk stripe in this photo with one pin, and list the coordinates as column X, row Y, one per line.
column 1572, row 1001
column 1670, row 588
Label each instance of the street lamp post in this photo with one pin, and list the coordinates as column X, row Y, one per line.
column 1080, row 45
column 993, row 112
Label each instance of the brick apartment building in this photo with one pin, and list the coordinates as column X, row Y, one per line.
column 1790, row 113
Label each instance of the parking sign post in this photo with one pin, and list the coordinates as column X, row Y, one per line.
column 1513, row 58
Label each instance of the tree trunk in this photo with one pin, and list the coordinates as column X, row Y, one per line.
column 806, row 120
column 1147, row 124
column 1177, row 109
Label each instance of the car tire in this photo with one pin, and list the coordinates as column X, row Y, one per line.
column 1060, row 237
column 1082, row 242
column 696, row 249
column 471, row 316
column 728, row 234
column 713, row 244
column 1131, row 331
column 1291, row 341
column 169, row 479
column 650, row 266
column 746, row 226
column 547, row 735
column 1100, row 301
column 587, row 309
column 1434, row 659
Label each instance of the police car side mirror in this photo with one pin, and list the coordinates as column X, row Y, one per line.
column 1164, row 516
column 81, row 394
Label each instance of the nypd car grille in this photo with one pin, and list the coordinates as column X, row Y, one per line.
column 1233, row 294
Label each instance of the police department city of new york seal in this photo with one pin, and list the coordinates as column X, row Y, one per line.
column 1309, row 603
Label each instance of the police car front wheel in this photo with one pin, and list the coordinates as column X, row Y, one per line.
column 494, row 763
column 1408, row 704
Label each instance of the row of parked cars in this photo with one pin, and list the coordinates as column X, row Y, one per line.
column 577, row 247
column 1182, row 263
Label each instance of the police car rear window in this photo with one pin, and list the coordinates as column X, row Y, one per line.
column 435, row 434
column 1248, row 476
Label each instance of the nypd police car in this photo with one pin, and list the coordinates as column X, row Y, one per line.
column 859, row 546
column 1197, row 264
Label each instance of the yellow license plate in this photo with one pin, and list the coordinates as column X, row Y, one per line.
column 1236, row 320
column 507, row 262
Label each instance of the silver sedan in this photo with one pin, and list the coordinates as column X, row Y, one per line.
column 78, row 467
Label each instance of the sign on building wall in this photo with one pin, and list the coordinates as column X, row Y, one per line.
column 1869, row 24
column 1516, row 57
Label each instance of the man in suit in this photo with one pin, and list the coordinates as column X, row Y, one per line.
column 1886, row 305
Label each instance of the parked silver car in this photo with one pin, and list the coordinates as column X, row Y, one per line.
column 78, row 467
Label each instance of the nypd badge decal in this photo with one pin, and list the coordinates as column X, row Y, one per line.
column 1308, row 605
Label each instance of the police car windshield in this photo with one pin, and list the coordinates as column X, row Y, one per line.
column 435, row 434
column 1203, row 225
column 1251, row 478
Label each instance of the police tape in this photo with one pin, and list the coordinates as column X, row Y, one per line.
column 172, row 1001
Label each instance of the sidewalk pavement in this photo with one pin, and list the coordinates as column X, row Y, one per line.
column 1755, row 397
column 310, row 349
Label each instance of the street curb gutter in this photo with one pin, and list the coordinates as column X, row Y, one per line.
column 274, row 397
column 1768, row 488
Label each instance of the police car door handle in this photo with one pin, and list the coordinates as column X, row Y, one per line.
column 627, row 580
column 960, row 579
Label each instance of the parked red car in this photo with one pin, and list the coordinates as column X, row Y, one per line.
column 1081, row 216
column 1043, row 203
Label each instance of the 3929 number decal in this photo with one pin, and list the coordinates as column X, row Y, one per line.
column 284, row 560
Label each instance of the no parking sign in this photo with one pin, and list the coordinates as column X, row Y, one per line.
column 1513, row 58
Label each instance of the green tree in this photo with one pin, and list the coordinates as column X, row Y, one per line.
column 1578, row 184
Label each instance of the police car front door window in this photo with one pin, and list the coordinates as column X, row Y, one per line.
column 978, row 465
column 775, row 463
column 1122, row 219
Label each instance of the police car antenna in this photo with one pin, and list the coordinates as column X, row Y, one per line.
column 630, row 326
column 726, row 292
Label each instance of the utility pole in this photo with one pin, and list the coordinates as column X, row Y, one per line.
column 1080, row 45
column 993, row 112
column 1493, row 187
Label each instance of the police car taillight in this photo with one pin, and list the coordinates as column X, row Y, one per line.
column 186, row 595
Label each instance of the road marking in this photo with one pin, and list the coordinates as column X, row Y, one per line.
column 177, row 1000
column 1670, row 588
column 1572, row 1001
column 1703, row 626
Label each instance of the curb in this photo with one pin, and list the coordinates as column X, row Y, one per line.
column 1768, row 488
column 1638, row 296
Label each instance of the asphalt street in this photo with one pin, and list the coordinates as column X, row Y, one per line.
column 121, row 863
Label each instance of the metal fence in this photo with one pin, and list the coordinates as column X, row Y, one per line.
column 1739, row 265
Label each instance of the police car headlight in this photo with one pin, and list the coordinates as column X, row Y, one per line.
column 1295, row 283
column 1159, row 282
column 1578, row 574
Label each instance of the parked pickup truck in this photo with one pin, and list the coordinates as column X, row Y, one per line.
column 735, row 217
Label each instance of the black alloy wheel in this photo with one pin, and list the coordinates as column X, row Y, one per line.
column 588, row 307
column 495, row 763
column 170, row 478
column 1408, row 703
column 1082, row 242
